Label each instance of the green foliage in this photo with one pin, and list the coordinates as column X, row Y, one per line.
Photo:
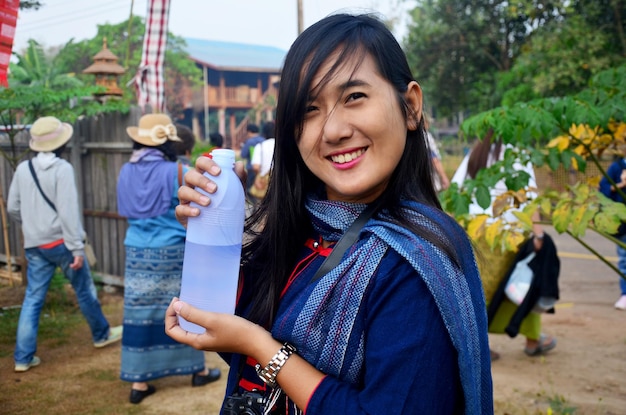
column 125, row 40
column 200, row 149
column 32, row 102
column 607, row 17
column 58, row 315
column 22, row 104
column 558, row 60
column 528, row 123
column 473, row 55
column 36, row 69
column 559, row 406
column 456, row 48
column 38, row 87
column 565, row 132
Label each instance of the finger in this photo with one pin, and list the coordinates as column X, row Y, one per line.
column 188, row 312
column 171, row 317
column 173, row 329
column 195, row 178
column 77, row 263
column 186, row 195
column 205, row 164
column 183, row 212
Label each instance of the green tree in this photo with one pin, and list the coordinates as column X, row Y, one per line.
column 607, row 17
column 125, row 40
column 38, row 87
column 456, row 47
column 581, row 127
column 558, row 60
column 474, row 55
column 34, row 68
column 22, row 104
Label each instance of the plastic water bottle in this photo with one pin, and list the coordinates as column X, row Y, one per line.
column 213, row 245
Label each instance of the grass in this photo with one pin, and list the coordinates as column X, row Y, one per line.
column 450, row 163
column 76, row 378
column 559, row 406
column 59, row 315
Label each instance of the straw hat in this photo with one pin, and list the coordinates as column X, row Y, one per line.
column 49, row 133
column 153, row 130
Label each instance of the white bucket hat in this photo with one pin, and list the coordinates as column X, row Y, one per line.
column 49, row 133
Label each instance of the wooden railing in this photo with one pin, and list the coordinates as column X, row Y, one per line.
column 233, row 97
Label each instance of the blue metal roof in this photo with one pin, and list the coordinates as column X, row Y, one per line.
column 237, row 56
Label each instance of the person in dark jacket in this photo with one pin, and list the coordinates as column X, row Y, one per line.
column 616, row 191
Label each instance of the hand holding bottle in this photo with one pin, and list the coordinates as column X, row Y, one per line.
column 195, row 178
column 213, row 244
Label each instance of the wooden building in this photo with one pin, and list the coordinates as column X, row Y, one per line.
column 239, row 79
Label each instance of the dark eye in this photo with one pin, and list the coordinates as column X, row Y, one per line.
column 310, row 108
column 354, row 96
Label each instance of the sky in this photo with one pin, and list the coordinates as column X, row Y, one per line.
column 261, row 22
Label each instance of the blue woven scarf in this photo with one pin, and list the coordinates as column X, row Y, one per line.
column 456, row 291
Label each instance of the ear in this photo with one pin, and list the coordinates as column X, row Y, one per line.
column 413, row 96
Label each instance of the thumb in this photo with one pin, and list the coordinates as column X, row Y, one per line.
column 186, row 311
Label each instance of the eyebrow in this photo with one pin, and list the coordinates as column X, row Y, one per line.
column 350, row 83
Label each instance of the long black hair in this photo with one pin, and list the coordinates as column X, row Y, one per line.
column 277, row 230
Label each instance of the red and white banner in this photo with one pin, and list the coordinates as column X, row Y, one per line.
column 149, row 77
column 8, row 22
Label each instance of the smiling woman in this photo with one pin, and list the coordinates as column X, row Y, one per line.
column 351, row 187
column 353, row 122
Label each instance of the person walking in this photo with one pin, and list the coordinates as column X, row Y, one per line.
column 262, row 160
column 247, row 152
column 349, row 245
column 154, row 245
column 615, row 191
column 184, row 147
column 43, row 198
column 486, row 152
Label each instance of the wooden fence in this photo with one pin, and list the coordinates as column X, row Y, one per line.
column 98, row 149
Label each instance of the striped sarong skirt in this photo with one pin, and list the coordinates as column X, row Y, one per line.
column 151, row 278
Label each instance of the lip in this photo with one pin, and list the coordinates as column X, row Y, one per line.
column 348, row 158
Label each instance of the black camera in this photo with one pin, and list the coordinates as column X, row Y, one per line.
column 247, row 403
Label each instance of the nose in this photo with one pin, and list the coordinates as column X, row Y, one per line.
column 336, row 127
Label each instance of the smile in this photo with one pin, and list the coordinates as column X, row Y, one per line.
column 347, row 157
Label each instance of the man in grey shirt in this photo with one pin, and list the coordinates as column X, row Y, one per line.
column 43, row 198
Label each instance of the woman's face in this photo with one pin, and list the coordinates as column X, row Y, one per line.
column 354, row 132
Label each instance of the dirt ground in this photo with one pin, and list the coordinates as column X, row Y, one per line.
column 585, row 374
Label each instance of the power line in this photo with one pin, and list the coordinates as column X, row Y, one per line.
column 55, row 20
column 72, row 16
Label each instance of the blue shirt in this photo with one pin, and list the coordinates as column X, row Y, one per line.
column 410, row 362
column 614, row 172
column 248, row 148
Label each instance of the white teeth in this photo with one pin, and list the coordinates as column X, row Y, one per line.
column 348, row 157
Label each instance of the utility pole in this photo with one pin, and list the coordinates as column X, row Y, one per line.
column 300, row 18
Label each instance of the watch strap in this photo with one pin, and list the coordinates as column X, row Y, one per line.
column 268, row 373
